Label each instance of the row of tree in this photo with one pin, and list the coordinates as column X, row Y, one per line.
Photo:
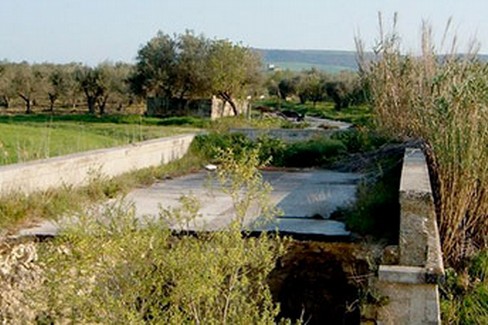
column 68, row 85
column 183, row 66
column 343, row 89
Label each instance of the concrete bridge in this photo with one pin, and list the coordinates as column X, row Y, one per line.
column 410, row 283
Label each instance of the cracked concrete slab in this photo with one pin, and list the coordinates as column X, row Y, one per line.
column 307, row 198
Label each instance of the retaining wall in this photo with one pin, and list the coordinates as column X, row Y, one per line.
column 78, row 169
column 411, row 285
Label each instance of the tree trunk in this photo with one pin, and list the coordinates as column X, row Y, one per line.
column 28, row 109
column 90, row 100
column 228, row 98
column 6, row 101
column 102, row 103
column 52, row 99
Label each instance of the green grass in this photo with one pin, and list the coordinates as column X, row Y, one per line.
column 88, row 118
column 376, row 211
column 25, row 138
column 464, row 294
column 356, row 114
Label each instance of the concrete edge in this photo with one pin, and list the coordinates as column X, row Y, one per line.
column 79, row 169
column 419, row 235
column 412, row 286
column 408, row 275
column 94, row 152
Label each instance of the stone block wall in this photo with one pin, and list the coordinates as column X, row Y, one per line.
column 212, row 108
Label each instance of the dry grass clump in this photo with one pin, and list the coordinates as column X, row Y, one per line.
column 442, row 99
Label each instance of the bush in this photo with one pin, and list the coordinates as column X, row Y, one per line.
column 376, row 211
column 208, row 146
column 311, row 153
column 117, row 272
column 316, row 152
column 111, row 267
column 360, row 139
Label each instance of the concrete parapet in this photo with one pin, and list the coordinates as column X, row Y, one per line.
column 411, row 286
column 78, row 169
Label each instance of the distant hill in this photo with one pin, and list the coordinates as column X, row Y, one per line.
column 296, row 60
column 326, row 60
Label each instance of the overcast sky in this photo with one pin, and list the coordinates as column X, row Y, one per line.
column 92, row 31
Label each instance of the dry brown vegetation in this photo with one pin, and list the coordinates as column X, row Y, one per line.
column 442, row 100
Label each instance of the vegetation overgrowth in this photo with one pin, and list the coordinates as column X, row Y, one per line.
column 442, row 100
column 311, row 153
column 465, row 292
column 18, row 209
column 115, row 268
column 376, row 212
column 112, row 267
column 360, row 115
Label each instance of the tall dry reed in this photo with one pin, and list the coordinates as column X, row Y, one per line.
column 442, row 99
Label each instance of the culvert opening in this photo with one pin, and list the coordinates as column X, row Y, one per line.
column 321, row 283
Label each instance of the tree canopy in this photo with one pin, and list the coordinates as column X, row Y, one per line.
column 190, row 66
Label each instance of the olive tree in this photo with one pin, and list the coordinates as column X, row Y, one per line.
column 57, row 85
column 311, row 86
column 6, row 90
column 189, row 66
column 155, row 69
column 26, row 83
column 233, row 71
column 89, row 82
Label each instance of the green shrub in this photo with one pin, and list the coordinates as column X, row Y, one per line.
column 119, row 273
column 272, row 150
column 113, row 268
column 315, row 152
column 360, row 139
column 209, row 145
column 311, row 153
column 376, row 211
column 464, row 293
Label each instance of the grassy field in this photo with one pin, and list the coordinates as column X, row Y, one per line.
column 25, row 138
column 356, row 114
